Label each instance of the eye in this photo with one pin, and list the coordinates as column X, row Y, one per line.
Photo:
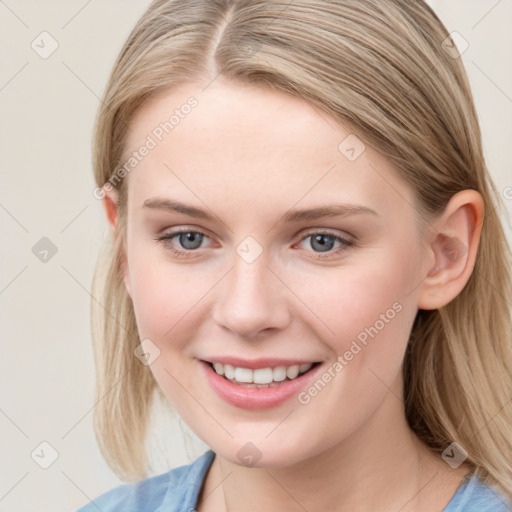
column 187, row 241
column 190, row 239
column 323, row 243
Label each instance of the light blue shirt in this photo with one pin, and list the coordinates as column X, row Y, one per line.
column 177, row 490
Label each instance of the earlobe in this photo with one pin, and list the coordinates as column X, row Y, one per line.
column 454, row 246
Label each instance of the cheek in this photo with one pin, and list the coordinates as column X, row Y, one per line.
column 166, row 296
column 371, row 310
column 153, row 296
column 166, row 299
column 354, row 301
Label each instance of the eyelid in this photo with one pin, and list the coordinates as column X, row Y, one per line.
column 171, row 232
column 179, row 230
column 328, row 232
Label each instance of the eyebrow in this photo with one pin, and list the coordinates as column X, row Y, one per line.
column 293, row 215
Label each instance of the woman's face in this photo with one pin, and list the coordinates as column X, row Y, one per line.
column 300, row 248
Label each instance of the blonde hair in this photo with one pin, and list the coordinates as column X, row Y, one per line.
column 379, row 67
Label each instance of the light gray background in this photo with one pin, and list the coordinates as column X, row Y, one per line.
column 47, row 109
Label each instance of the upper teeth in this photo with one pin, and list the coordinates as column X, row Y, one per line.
column 261, row 375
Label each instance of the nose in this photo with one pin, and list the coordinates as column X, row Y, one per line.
column 251, row 300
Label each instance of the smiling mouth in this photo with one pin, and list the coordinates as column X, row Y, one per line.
column 261, row 377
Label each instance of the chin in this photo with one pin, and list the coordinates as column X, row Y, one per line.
column 264, row 454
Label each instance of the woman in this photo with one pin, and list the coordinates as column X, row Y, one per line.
column 307, row 262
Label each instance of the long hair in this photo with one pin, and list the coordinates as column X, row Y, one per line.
column 380, row 67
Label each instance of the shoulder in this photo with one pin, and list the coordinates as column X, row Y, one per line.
column 168, row 491
column 475, row 496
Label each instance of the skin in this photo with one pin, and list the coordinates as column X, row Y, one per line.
column 247, row 156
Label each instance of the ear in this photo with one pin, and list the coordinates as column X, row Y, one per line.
column 110, row 203
column 110, row 200
column 453, row 247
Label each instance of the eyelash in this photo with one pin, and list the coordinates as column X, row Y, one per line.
column 345, row 244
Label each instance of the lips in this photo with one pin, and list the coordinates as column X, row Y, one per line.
column 247, row 384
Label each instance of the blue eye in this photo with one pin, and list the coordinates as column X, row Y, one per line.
column 323, row 244
column 187, row 239
column 190, row 239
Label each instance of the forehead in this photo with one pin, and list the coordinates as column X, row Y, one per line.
column 238, row 141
